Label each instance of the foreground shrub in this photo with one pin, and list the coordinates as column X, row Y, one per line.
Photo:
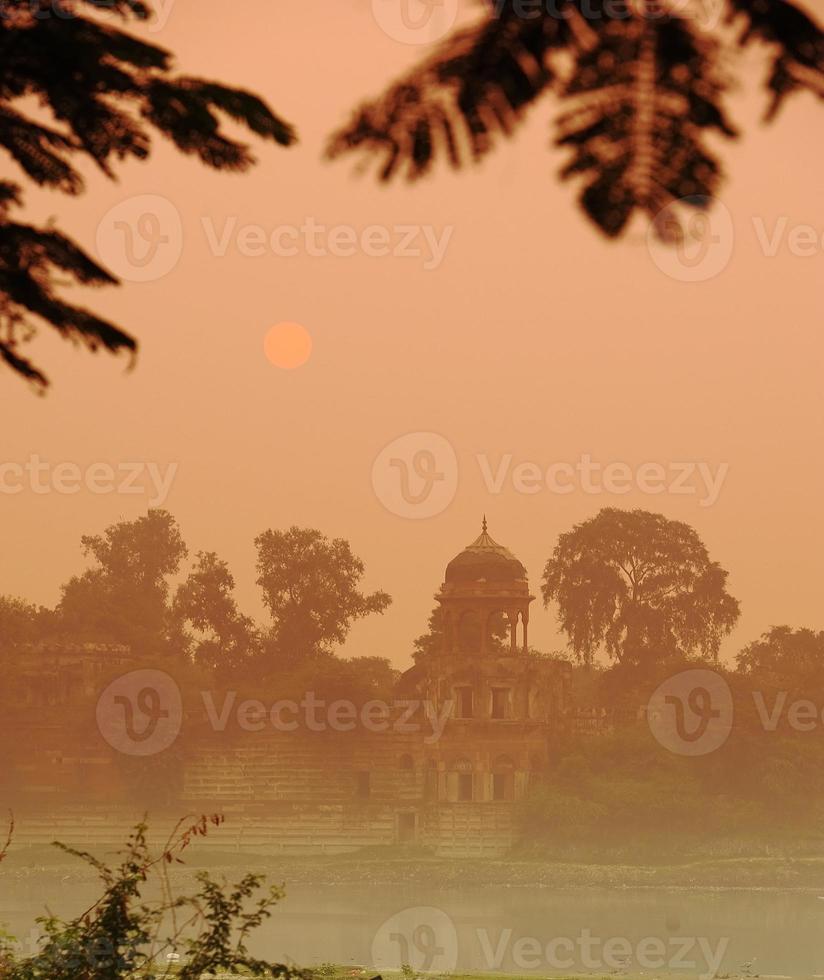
column 125, row 936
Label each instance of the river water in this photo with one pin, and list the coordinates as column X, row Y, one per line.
column 532, row 931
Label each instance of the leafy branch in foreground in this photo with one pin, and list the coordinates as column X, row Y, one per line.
column 106, row 92
column 639, row 83
column 124, row 936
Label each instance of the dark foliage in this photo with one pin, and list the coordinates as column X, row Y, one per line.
column 639, row 84
column 124, row 936
column 106, row 93
column 639, row 586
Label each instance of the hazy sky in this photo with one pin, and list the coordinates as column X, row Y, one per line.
column 533, row 338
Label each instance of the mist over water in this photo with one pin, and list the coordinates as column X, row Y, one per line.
column 776, row 933
column 423, row 510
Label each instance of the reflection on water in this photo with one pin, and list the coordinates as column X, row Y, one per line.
column 526, row 930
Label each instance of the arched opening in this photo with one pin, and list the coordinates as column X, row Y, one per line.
column 500, row 703
column 503, row 778
column 461, row 781
column 431, row 780
column 470, row 632
column 518, row 627
column 464, row 698
column 498, row 632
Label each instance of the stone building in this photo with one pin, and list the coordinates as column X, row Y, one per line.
column 51, row 753
column 454, row 794
column 473, row 725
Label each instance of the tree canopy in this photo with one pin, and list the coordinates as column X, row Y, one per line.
column 125, row 595
column 22, row 622
column 786, row 657
column 640, row 586
column 640, row 86
column 107, row 93
column 140, row 593
column 311, row 587
column 206, row 602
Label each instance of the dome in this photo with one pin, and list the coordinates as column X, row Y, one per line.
column 484, row 561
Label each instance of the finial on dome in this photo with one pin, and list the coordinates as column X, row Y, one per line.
column 484, row 561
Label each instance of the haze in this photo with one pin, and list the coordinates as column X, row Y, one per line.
column 532, row 337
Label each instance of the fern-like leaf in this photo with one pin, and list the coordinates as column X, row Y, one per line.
column 476, row 86
column 798, row 59
column 643, row 95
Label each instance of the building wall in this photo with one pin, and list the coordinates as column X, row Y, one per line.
column 287, row 792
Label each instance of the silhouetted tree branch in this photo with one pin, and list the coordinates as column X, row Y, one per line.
column 106, row 91
column 639, row 85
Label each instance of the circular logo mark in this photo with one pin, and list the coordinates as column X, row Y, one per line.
column 140, row 713
column 415, row 21
column 423, row 937
column 416, row 476
column 693, row 245
column 141, row 239
column 691, row 713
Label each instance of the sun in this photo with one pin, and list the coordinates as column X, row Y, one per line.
column 288, row 345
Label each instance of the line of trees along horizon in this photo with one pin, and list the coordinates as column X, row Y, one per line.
column 637, row 595
column 634, row 592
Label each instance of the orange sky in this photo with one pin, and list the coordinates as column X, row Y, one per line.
column 533, row 337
